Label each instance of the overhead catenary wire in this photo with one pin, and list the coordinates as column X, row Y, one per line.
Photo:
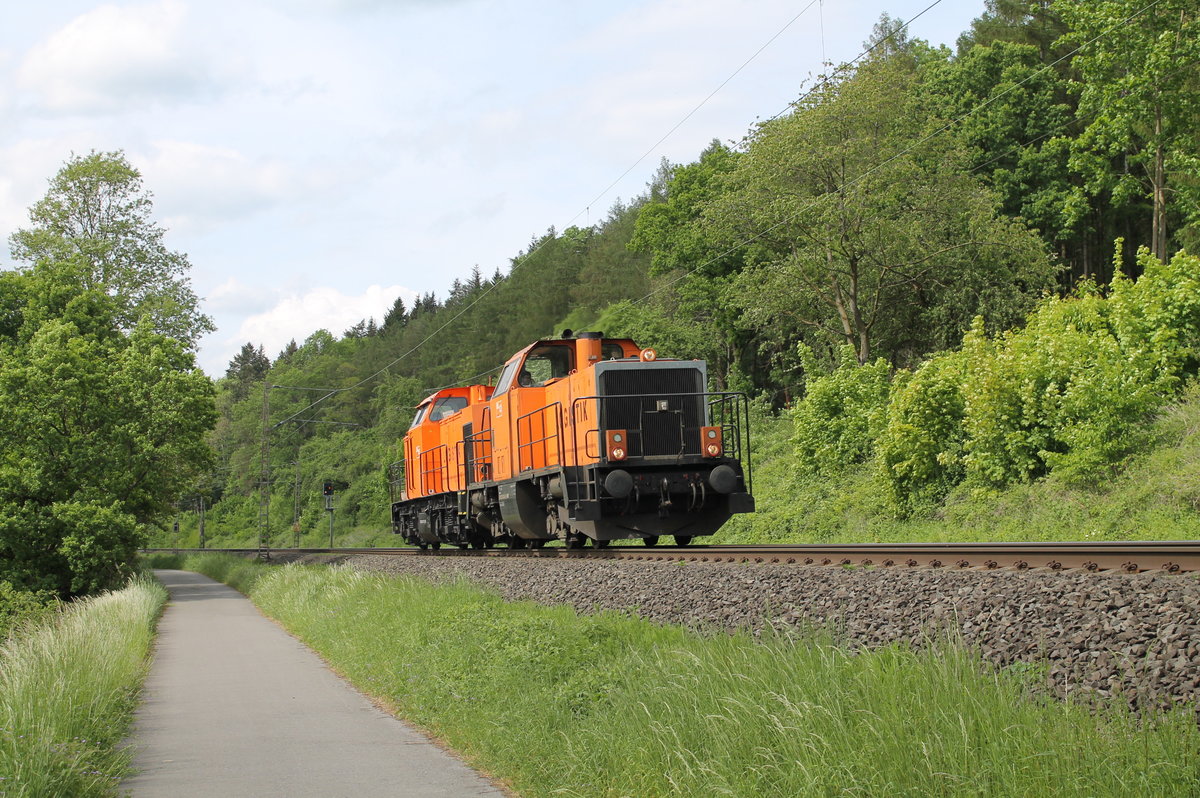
column 813, row 202
column 522, row 259
column 699, row 105
column 825, row 79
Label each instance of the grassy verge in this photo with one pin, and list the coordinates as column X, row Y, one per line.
column 68, row 687
column 559, row 704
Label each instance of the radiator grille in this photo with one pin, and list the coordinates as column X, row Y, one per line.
column 654, row 431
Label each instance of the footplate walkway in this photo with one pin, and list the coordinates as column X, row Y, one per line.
column 234, row 706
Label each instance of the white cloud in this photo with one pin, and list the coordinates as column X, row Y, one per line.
column 197, row 186
column 234, row 297
column 295, row 316
column 115, row 58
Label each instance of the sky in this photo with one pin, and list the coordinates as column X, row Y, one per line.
column 317, row 159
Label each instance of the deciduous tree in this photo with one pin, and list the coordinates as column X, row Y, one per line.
column 94, row 228
column 867, row 231
column 1138, row 89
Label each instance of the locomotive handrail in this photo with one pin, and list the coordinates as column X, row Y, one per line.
column 481, row 459
column 395, row 476
column 440, row 467
column 733, row 408
column 527, row 442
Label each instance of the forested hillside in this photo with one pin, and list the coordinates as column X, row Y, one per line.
column 944, row 273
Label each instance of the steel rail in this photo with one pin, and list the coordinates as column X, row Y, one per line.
column 1170, row 556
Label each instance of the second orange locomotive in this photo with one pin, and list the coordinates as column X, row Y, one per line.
column 582, row 438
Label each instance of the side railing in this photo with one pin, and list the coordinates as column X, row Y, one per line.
column 397, row 491
column 479, row 458
column 434, row 468
column 540, row 437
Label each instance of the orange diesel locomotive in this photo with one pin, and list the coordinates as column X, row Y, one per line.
column 582, row 438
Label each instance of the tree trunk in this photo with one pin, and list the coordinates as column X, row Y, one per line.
column 863, row 344
column 1158, row 234
column 839, row 301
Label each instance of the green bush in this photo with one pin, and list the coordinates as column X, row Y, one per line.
column 18, row 607
column 839, row 419
column 921, row 446
column 1071, row 392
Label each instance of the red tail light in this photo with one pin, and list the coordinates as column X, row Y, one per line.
column 711, row 444
column 616, row 444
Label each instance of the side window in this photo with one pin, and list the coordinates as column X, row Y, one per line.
column 547, row 363
column 420, row 416
column 612, row 352
column 506, row 378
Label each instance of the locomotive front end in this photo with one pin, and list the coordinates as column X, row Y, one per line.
column 663, row 455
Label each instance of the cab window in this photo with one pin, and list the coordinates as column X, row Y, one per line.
column 419, row 417
column 546, row 363
column 507, row 378
column 612, row 352
column 447, row 406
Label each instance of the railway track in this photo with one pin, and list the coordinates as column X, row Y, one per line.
column 1120, row 557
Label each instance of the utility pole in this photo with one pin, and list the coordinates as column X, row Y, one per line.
column 296, row 505
column 264, row 479
column 200, row 501
column 327, row 489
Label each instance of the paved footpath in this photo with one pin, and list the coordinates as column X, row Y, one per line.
column 234, row 706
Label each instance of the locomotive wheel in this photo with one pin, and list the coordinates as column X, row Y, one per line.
column 650, row 541
column 435, row 546
column 601, row 544
column 422, row 545
column 517, row 543
column 537, row 544
column 463, row 546
column 576, row 541
column 478, row 544
column 683, row 540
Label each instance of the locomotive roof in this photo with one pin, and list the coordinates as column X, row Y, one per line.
column 569, row 342
column 459, row 390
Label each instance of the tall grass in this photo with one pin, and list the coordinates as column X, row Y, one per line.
column 559, row 704
column 68, row 687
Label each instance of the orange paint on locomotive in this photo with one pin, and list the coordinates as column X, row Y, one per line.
column 487, row 464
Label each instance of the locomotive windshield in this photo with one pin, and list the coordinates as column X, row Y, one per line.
column 447, row 406
column 612, row 352
column 507, row 377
